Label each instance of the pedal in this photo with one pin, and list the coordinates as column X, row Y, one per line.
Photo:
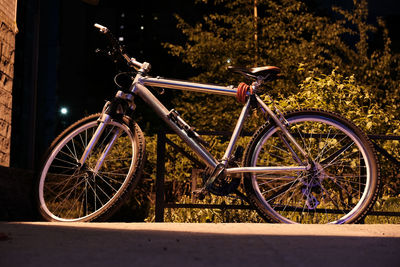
column 219, row 170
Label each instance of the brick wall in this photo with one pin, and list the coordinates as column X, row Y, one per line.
column 8, row 29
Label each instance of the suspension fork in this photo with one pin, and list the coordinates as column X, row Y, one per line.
column 103, row 121
column 106, row 150
column 285, row 134
column 109, row 110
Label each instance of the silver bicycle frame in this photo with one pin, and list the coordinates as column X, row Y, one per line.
column 139, row 87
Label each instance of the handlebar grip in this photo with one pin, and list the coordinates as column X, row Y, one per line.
column 109, row 35
column 101, row 28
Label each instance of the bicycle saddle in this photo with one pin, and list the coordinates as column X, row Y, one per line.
column 268, row 73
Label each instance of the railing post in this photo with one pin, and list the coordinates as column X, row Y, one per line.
column 160, row 190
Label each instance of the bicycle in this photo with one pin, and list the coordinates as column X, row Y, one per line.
column 305, row 166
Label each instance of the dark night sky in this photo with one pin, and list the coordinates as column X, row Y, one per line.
column 146, row 25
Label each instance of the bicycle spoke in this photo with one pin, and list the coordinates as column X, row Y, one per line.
column 327, row 192
column 71, row 191
column 113, row 173
column 67, row 162
column 285, row 192
column 66, row 198
column 74, row 156
column 68, row 155
column 336, row 154
column 95, row 196
column 104, row 180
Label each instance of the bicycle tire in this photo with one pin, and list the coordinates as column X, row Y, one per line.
column 68, row 192
column 342, row 186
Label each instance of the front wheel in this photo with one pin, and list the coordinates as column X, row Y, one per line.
column 340, row 187
column 70, row 191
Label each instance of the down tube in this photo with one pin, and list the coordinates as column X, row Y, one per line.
column 163, row 113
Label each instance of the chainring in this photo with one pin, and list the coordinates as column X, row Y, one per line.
column 223, row 184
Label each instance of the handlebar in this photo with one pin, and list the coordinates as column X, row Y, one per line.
column 118, row 48
column 101, row 28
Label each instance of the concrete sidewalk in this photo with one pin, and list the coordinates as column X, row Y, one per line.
column 167, row 244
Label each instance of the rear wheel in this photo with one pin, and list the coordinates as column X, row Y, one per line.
column 69, row 191
column 342, row 184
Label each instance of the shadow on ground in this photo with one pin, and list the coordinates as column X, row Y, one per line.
column 61, row 245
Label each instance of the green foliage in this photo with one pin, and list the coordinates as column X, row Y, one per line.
column 185, row 215
column 357, row 102
column 335, row 92
column 385, row 204
column 178, row 179
column 346, row 96
column 287, row 34
column 327, row 63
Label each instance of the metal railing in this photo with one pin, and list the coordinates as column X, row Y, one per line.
column 161, row 203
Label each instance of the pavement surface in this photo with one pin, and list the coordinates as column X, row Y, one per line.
column 174, row 244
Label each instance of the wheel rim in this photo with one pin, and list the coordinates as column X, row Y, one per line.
column 337, row 187
column 70, row 192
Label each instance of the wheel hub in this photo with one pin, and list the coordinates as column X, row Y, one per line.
column 312, row 187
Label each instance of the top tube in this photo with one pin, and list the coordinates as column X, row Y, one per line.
column 189, row 86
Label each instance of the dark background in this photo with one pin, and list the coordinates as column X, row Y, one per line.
column 56, row 66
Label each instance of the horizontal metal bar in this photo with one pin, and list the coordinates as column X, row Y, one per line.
column 249, row 207
column 384, row 137
column 386, row 154
column 266, row 169
column 384, row 213
column 334, row 211
column 207, row 206
column 295, row 209
column 189, row 86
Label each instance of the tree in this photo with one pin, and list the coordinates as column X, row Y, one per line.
column 287, row 34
